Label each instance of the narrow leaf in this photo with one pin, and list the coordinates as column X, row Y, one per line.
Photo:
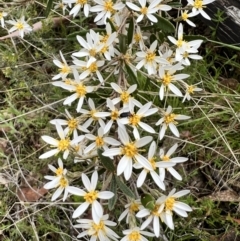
column 49, row 7
column 131, row 74
column 126, row 190
column 113, row 188
column 106, row 161
column 122, row 43
column 130, row 31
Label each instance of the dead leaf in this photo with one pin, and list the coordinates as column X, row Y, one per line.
column 224, row 196
column 33, row 194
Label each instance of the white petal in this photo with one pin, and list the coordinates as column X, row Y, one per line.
column 86, row 182
column 80, row 210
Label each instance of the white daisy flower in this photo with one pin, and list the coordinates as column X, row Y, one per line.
column 78, row 5
column 135, row 119
column 90, row 67
column 60, row 5
column 185, row 17
column 131, row 209
column 114, row 114
column 190, row 89
column 64, row 68
column 182, row 45
column 63, row 145
column 100, row 141
column 91, row 47
column 169, row 120
column 90, row 196
column 76, row 86
column 60, row 181
column 106, row 9
column 107, row 41
column 149, row 59
column 155, row 165
column 138, row 38
column 136, row 234
column 167, row 78
column 98, row 231
column 170, row 204
column 20, row 25
column 94, row 115
column 166, row 158
column 144, row 10
column 199, row 5
column 125, row 97
column 71, row 123
column 2, row 15
column 130, row 153
column 152, row 216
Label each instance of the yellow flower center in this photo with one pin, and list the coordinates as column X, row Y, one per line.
column 153, row 162
column 98, row 227
column 69, row 81
column 125, row 97
column 81, row 2
column 169, row 203
column 104, row 49
column 190, row 89
column 81, row 90
column 155, row 211
column 134, row 236
column 92, row 112
column 91, row 196
column 72, row 124
column 99, row 141
column 19, row 26
column 59, row 171
column 108, row 6
column 150, row 57
column 114, row 115
column 63, row 144
column 167, row 79
column 185, row 54
column 93, row 67
column 144, row 10
column 198, row 4
column 65, row 69
column 1, row 15
column 134, row 119
column 184, row 16
column 63, row 182
column 170, row 119
column 165, row 158
column 134, row 207
column 180, row 42
column 92, row 52
column 129, row 150
column 137, row 37
column 104, row 38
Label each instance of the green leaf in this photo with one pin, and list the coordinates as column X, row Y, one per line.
column 163, row 24
column 106, row 161
column 48, row 8
column 113, row 188
column 148, row 201
column 123, row 43
column 130, row 31
column 131, row 74
column 126, row 190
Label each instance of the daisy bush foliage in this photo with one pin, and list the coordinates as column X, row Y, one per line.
column 111, row 128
